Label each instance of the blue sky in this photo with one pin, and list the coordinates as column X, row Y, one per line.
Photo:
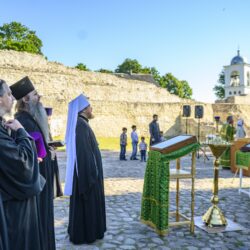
column 192, row 39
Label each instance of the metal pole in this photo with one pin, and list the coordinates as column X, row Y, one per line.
column 198, row 153
column 186, row 125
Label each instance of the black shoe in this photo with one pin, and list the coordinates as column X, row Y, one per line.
column 136, row 159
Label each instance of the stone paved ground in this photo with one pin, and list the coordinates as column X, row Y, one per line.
column 123, row 188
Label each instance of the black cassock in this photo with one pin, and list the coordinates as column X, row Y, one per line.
column 154, row 130
column 47, row 195
column 87, row 217
column 57, row 184
column 4, row 245
column 20, row 185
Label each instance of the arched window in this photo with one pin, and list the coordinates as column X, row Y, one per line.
column 248, row 78
column 230, row 93
column 239, row 92
column 235, row 78
column 235, row 92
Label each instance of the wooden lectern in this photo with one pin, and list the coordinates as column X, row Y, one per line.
column 174, row 143
column 177, row 174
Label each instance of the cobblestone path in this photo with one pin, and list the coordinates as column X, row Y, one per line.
column 123, row 189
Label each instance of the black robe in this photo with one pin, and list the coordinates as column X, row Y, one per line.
column 57, row 184
column 47, row 195
column 87, row 217
column 154, row 130
column 20, row 185
column 4, row 244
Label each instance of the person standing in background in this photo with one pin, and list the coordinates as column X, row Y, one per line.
column 240, row 131
column 227, row 133
column 134, row 138
column 162, row 138
column 154, row 130
column 143, row 149
column 123, row 144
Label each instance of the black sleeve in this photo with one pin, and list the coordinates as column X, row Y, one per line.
column 19, row 174
column 151, row 130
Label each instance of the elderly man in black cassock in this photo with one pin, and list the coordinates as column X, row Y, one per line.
column 20, row 183
column 33, row 117
column 84, row 176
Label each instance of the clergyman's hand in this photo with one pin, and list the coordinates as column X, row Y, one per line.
column 39, row 159
column 13, row 124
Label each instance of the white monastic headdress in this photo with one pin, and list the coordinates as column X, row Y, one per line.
column 74, row 107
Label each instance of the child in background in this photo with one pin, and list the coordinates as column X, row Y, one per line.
column 162, row 138
column 134, row 138
column 143, row 148
column 123, row 144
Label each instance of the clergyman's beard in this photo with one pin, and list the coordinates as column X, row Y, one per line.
column 88, row 116
column 38, row 112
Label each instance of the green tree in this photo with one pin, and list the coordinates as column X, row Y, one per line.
column 153, row 71
column 219, row 88
column 156, row 75
column 175, row 86
column 82, row 67
column 15, row 36
column 145, row 70
column 129, row 65
column 104, row 71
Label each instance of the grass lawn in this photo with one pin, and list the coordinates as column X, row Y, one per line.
column 106, row 143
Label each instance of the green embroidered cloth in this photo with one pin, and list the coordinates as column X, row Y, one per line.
column 242, row 159
column 155, row 197
column 225, row 159
column 227, row 133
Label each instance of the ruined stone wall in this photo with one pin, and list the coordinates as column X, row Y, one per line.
column 116, row 101
column 238, row 99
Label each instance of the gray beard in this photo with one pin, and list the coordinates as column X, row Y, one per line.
column 38, row 112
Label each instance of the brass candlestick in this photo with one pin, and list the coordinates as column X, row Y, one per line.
column 214, row 216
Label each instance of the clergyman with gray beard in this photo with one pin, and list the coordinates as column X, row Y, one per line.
column 32, row 115
column 20, row 183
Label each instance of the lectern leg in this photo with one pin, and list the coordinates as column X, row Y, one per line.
column 178, row 166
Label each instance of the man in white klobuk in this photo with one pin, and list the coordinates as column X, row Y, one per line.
column 84, row 176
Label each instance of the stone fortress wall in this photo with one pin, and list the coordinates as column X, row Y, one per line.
column 117, row 100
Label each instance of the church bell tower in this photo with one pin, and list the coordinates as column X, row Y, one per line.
column 237, row 77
